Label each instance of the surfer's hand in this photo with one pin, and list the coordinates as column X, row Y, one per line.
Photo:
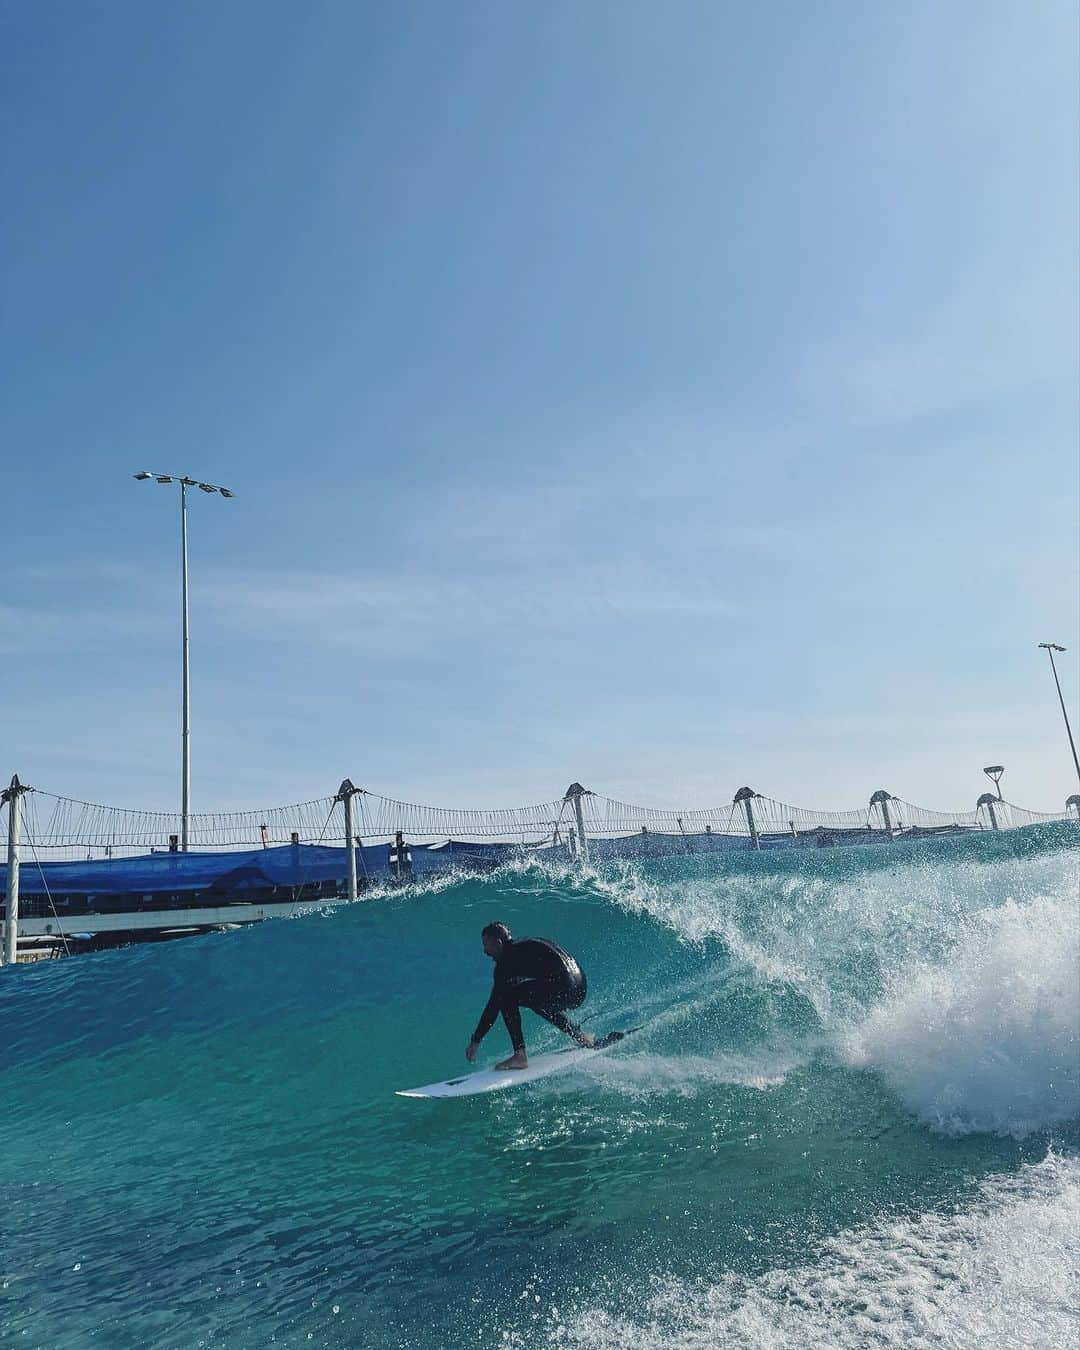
column 470, row 1051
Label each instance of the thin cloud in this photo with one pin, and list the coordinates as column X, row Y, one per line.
column 422, row 609
column 33, row 630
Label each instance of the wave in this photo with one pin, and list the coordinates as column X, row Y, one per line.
column 1005, row 1271
column 988, row 1039
column 964, row 1002
column 828, row 1040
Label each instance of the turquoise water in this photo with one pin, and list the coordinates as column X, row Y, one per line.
column 850, row 1118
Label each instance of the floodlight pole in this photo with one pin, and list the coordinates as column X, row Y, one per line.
column 1050, row 648
column 185, row 636
column 185, row 735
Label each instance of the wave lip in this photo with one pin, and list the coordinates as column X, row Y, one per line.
column 988, row 1040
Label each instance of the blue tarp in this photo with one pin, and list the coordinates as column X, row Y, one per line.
column 235, row 872
column 288, row 865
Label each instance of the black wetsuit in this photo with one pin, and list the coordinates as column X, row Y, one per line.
column 533, row 973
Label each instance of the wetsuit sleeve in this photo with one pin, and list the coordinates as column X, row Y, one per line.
column 487, row 1017
column 504, row 970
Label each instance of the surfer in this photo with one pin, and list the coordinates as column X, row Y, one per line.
column 529, row 973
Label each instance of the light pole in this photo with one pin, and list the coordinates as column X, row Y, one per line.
column 185, row 483
column 1050, row 648
column 994, row 772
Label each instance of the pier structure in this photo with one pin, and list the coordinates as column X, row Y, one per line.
column 96, row 873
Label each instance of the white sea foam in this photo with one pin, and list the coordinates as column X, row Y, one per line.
column 641, row 1074
column 1003, row 1273
column 966, row 1002
column 989, row 1039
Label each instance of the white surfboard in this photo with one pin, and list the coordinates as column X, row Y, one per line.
column 493, row 1080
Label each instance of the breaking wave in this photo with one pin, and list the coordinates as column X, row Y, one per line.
column 850, row 1117
column 987, row 1039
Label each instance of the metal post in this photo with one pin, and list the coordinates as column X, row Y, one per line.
column 400, row 858
column 1051, row 648
column 989, row 801
column 583, row 839
column 574, row 793
column 185, row 793
column 882, row 798
column 13, row 797
column 746, row 796
column 345, row 794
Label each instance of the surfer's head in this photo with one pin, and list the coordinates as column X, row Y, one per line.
column 495, row 937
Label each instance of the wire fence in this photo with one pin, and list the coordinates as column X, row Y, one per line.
column 66, row 828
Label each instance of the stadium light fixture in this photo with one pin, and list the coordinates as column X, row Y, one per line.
column 994, row 772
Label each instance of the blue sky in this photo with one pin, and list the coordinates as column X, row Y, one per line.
column 667, row 397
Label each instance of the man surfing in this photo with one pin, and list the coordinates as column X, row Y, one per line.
column 529, row 973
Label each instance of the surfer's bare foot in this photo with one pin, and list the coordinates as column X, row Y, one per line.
column 587, row 1040
column 518, row 1060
